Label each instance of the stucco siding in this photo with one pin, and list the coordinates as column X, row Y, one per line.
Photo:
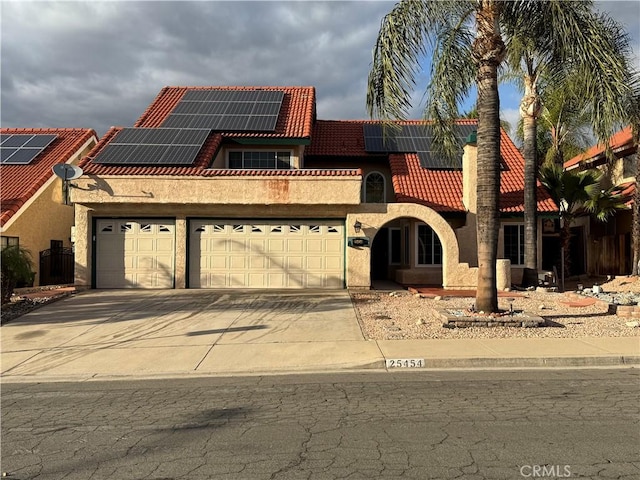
column 43, row 220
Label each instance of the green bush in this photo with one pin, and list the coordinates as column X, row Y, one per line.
column 16, row 266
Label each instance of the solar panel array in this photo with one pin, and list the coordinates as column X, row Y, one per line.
column 21, row 149
column 153, row 146
column 227, row 110
column 413, row 139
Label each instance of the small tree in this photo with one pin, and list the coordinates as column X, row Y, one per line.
column 578, row 192
column 16, row 266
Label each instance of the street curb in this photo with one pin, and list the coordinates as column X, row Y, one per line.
column 532, row 362
column 469, row 364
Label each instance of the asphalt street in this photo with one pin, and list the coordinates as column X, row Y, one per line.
column 477, row 425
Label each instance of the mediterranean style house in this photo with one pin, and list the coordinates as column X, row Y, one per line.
column 608, row 248
column 34, row 214
column 243, row 187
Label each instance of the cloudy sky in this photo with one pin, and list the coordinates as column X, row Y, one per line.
column 97, row 64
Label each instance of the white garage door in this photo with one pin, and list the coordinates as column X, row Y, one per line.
column 260, row 254
column 135, row 253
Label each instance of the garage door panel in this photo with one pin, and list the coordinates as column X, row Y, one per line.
column 314, row 262
column 295, row 263
column 276, row 245
column 237, row 280
column 259, row 254
column 135, row 253
column 295, row 245
column 314, row 246
column 314, row 281
column 257, row 280
column 237, row 262
column 333, row 263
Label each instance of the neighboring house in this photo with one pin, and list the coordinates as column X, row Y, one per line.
column 34, row 215
column 608, row 250
column 242, row 187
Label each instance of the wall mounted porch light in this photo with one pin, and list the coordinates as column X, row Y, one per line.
column 357, row 226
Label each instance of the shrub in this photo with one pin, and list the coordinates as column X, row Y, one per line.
column 16, row 265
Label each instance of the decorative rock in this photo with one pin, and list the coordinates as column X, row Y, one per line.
column 633, row 324
column 437, row 298
column 541, row 307
column 420, row 322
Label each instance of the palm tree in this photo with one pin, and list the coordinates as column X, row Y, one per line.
column 467, row 50
column 605, row 51
column 16, row 266
column 578, row 192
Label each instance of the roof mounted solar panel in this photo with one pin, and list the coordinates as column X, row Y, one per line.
column 414, row 138
column 227, row 110
column 153, row 146
column 22, row 149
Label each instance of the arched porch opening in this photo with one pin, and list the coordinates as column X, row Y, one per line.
column 406, row 244
column 366, row 263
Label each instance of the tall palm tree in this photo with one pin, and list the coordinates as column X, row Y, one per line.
column 467, row 48
column 604, row 55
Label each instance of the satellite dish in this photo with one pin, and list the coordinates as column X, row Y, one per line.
column 66, row 171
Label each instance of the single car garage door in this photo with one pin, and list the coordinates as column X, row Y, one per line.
column 266, row 254
column 135, row 253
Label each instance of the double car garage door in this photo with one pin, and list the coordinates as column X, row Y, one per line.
column 140, row 253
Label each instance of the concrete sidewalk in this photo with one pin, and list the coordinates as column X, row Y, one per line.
column 123, row 333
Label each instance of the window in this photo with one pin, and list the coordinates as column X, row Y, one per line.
column 514, row 244
column 260, row 160
column 374, row 188
column 395, row 246
column 407, row 247
column 429, row 246
column 10, row 242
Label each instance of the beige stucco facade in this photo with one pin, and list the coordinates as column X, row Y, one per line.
column 41, row 220
column 290, row 195
column 45, row 217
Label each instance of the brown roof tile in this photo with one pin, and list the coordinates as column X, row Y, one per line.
column 20, row 182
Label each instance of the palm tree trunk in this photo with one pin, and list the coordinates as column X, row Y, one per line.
column 529, row 110
column 635, row 229
column 530, row 195
column 488, row 52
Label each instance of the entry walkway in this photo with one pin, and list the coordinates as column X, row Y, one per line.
column 151, row 333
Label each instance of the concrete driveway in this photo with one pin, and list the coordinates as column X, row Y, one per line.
column 159, row 332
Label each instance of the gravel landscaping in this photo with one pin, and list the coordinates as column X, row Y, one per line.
column 401, row 315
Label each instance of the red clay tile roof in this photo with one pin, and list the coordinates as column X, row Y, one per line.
column 295, row 120
column 619, row 141
column 20, row 182
column 438, row 189
column 627, row 190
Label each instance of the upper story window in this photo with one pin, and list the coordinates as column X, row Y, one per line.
column 374, row 188
column 514, row 243
column 259, row 160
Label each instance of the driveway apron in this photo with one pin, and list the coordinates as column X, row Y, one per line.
column 152, row 332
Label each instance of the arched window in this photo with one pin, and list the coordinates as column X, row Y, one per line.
column 374, row 188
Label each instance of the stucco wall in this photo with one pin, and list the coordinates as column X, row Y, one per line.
column 43, row 220
column 241, row 190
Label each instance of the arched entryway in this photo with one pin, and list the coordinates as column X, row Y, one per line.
column 363, row 264
column 407, row 244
